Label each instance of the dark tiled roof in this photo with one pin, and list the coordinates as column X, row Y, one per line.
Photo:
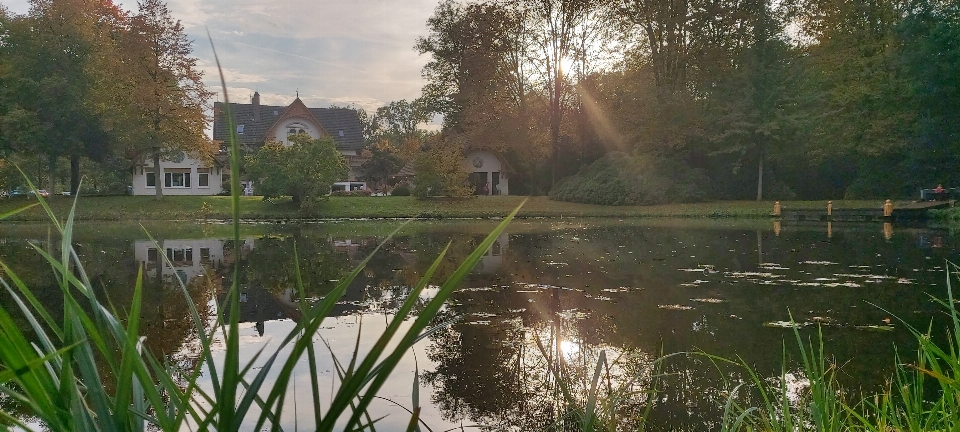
column 333, row 121
column 406, row 171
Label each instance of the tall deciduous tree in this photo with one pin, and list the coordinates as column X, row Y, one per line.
column 556, row 23
column 168, row 97
column 47, row 57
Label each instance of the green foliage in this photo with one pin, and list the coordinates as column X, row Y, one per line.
column 306, row 170
column 441, row 171
column 906, row 404
column 620, row 179
column 401, row 190
column 382, row 164
column 353, row 193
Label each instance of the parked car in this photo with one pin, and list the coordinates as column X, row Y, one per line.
column 42, row 192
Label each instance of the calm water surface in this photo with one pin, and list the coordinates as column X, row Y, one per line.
column 546, row 291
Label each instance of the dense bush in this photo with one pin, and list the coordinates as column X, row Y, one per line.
column 304, row 170
column 355, row 193
column 401, row 190
column 440, row 170
column 621, row 179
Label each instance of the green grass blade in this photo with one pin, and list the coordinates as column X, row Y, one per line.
column 311, row 352
column 124, row 396
column 311, row 323
column 15, row 211
column 426, row 315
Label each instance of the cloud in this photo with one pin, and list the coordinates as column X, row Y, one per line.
column 341, row 52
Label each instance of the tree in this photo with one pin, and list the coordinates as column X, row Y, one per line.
column 168, row 97
column 305, row 170
column 479, row 78
column 556, row 25
column 382, row 163
column 750, row 106
column 46, row 60
column 440, row 170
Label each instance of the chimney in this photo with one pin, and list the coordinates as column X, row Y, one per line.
column 256, row 106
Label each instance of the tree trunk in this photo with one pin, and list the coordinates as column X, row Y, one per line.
column 760, row 179
column 74, row 174
column 555, row 119
column 51, row 173
column 157, row 175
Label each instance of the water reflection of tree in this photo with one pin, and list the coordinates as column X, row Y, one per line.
column 112, row 270
column 500, row 371
column 270, row 263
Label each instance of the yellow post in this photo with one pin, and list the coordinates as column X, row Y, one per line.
column 776, row 228
column 829, row 230
column 776, row 208
column 887, row 209
column 829, row 208
column 887, row 230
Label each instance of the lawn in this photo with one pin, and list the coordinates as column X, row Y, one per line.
column 146, row 208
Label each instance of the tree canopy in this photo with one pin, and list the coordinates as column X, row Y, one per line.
column 802, row 98
column 86, row 81
column 305, row 170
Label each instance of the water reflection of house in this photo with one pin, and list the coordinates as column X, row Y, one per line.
column 188, row 258
column 491, row 261
column 351, row 247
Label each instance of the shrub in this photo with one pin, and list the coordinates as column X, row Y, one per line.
column 621, row 179
column 304, row 171
column 441, row 171
column 401, row 190
column 355, row 193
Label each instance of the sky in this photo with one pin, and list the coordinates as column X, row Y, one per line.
column 356, row 53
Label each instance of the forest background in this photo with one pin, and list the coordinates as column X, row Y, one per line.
column 645, row 101
column 610, row 102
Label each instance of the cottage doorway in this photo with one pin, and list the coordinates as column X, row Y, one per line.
column 495, row 184
column 478, row 180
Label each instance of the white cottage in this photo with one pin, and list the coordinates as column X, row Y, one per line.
column 181, row 176
column 488, row 172
column 188, row 258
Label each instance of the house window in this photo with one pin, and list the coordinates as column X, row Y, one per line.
column 204, row 255
column 151, row 255
column 180, row 255
column 240, row 129
column 177, row 178
column 151, row 179
column 203, row 177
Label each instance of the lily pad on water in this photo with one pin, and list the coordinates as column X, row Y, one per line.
column 708, row 300
column 785, row 324
column 874, row 327
column 616, row 290
column 674, row 307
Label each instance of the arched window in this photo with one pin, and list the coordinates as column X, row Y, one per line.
column 297, row 128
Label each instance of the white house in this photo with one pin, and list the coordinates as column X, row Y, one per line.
column 488, row 172
column 183, row 176
column 188, row 257
column 258, row 124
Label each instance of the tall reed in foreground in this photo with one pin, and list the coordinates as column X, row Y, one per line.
column 921, row 396
column 55, row 370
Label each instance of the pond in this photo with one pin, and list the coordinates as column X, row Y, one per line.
column 548, row 290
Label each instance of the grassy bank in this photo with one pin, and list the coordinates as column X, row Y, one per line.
column 145, row 208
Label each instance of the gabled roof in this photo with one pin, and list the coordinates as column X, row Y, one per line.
column 333, row 120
